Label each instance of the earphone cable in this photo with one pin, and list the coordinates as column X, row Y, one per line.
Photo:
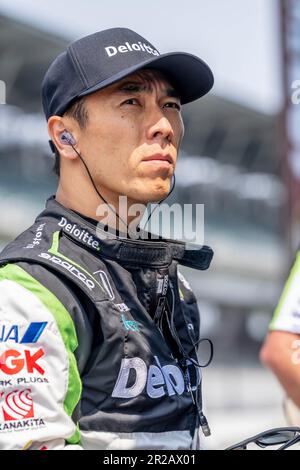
column 109, row 205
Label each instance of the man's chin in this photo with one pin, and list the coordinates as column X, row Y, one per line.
column 159, row 191
column 153, row 192
column 153, row 196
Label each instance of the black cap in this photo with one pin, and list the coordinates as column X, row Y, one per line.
column 103, row 58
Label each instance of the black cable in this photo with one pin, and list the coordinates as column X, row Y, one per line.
column 151, row 213
column 111, row 207
column 95, row 187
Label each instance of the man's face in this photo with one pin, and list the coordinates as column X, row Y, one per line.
column 132, row 136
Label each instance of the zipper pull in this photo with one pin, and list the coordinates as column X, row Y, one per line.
column 204, row 424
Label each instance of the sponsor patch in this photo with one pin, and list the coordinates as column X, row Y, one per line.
column 71, row 268
column 17, row 405
column 156, row 381
column 129, row 325
column 127, row 47
column 37, row 236
column 13, row 362
column 14, row 333
column 79, row 233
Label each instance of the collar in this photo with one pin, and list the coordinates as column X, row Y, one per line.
column 145, row 251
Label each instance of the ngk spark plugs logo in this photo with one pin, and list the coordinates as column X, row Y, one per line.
column 16, row 405
column 12, row 362
column 13, row 358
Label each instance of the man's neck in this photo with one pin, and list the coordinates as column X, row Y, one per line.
column 93, row 207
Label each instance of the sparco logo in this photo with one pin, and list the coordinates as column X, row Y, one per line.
column 158, row 380
column 112, row 50
column 69, row 267
column 80, row 234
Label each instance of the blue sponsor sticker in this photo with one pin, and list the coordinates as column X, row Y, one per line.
column 31, row 335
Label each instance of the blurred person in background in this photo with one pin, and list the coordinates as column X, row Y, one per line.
column 281, row 350
column 99, row 329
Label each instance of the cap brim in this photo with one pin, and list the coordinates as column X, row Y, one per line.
column 190, row 75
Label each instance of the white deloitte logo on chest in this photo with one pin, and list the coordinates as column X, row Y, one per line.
column 158, row 380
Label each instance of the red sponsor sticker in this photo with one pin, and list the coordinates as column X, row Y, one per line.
column 17, row 405
column 12, row 361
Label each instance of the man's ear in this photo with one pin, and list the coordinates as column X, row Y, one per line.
column 56, row 127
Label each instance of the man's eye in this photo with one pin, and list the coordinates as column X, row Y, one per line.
column 131, row 101
column 173, row 105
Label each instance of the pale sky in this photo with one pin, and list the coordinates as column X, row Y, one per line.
column 239, row 39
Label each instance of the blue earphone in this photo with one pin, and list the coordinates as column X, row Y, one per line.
column 66, row 137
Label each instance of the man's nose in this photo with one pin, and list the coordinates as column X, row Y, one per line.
column 159, row 126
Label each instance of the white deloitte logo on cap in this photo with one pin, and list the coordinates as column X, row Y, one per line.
column 112, row 50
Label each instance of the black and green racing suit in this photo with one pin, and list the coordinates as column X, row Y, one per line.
column 97, row 339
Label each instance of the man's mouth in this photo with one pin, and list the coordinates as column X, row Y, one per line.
column 159, row 158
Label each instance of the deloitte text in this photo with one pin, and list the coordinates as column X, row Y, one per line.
column 122, row 48
column 158, row 381
column 82, row 235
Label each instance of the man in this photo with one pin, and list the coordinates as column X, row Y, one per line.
column 282, row 346
column 98, row 332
